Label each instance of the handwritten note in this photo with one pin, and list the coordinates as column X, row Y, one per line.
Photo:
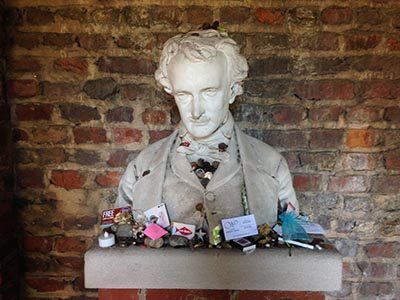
column 238, row 227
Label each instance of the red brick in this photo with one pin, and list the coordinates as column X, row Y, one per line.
column 120, row 114
column 325, row 90
column 68, row 179
column 382, row 89
column 348, row 184
column 53, row 135
column 28, row 40
column 38, row 244
column 234, row 15
column 118, row 294
column 199, row 15
column 325, row 114
column 155, row 117
column 381, row 249
column 187, row 294
column 326, row 139
column 363, row 115
column 127, row 135
column 36, row 264
column 59, row 40
column 362, row 41
column 307, row 183
column 170, row 15
column 39, row 16
column 393, row 44
column 19, row 135
column 22, row 88
column 360, row 138
column 89, row 135
column 25, row 65
column 136, row 91
column 269, row 16
column 109, row 179
column 79, row 113
column 359, row 161
column 336, row 15
column 279, row 295
column 385, row 184
column 287, row 114
column 70, row 244
column 72, row 262
column 158, row 135
column 75, row 65
column 81, row 223
column 30, row 178
column 126, row 65
column 32, row 112
column 118, row 159
column 376, row 288
column 392, row 114
column 392, row 160
column 46, row 284
column 92, row 42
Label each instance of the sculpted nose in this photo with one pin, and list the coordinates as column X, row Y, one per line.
column 197, row 109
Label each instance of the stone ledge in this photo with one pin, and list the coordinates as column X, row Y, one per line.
column 168, row 268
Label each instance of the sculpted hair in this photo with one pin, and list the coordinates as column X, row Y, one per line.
column 199, row 46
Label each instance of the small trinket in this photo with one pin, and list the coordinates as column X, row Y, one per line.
column 222, row 147
column 155, row 231
column 106, row 240
column 157, row 243
column 178, row 241
column 245, row 245
column 185, row 230
column 200, row 172
column 200, row 234
column 108, row 216
column 215, row 164
column 208, row 175
column 215, row 238
column 139, row 216
column 147, row 172
column 123, row 244
column 159, row 214
column 185, row 144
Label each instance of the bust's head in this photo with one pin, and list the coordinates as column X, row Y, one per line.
column 204, row 72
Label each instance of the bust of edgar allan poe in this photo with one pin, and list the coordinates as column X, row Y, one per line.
column 207, row 169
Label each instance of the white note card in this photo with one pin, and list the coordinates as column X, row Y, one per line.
column 238, row 227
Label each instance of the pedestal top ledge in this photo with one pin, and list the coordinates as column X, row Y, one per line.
column 228, row 269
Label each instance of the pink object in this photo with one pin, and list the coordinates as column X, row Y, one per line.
column 155, row 231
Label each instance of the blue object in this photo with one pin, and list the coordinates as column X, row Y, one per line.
column 291, row 229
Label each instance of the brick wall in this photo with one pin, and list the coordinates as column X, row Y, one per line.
column 9, row 249
column 323, row 88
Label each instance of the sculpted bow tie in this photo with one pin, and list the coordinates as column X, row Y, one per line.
column 212, row 152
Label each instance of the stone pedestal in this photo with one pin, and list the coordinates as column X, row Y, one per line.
column 213, row 269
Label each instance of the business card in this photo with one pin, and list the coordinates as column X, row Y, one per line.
column 239, row 227
column 159, row 214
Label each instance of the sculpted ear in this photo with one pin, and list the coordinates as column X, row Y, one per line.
column 235, row 91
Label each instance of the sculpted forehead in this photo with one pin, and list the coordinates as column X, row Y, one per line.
column 184, row 74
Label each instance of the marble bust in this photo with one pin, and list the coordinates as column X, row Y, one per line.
column 207, row 169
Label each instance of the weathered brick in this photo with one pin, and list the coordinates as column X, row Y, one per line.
column 68, row 179
column 326, row 139
column 269, row 16
column 32, row 112
column 287, row 115
column 323, row 41
column 60, row 40
column 25, row 65
column 126, row 65
column 386, row 89
column 325, row 90
column 317, row 161
column 376, row 288
column 361, row 138
column 370, row 16
column 303, row 16
column 92, row 42
column 323, row 66
column 38, row 244
column 359, row 161
column 392, row 160
column 22, row 88
column 267, row 66
column 70, row 244
column 120, row 114
column 346, row 247
column 261, row 42
column 127, row 135
column 336, row 15
column 393, row 44
column 385, row 184
column 295, row 139
column 46, row 284
column 358, row 41
column 73, row 13
column 76, row 263
column 19, row 135
column 166, row 15
column 35, row 264
column 102, row 88
column 387, row 64
column 325, row 114
column 348, row 184
column 50, row 135
column 156, row 135
column 86, row 157
column 363, row 115
column 392, row 114
column 234, row 15
column 155, row 117
column 199, row 15
column 39, row 16
column 274, row 88
column 108, row 179
column 110, row 15
column 131, row 294
column 120, row 158
column 28, row 40
column 135, row 91
column 155, row 294
column 279, row 295
column 307, row 183
column 52, row 155
column 79, row 113
column 58, row 89
column 75, row 65
column 136, row 16
column 379, row 270
column 30, row 178
column 82, row 223
column 89, row 135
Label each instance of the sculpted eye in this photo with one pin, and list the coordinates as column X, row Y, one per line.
column 181, row 96
column 210, row 92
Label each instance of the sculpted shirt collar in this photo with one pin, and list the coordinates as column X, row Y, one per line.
column 208, row 147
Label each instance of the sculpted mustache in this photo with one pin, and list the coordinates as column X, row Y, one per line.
column 202, row 120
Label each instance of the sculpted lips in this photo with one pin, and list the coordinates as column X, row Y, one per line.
column 184, row 231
